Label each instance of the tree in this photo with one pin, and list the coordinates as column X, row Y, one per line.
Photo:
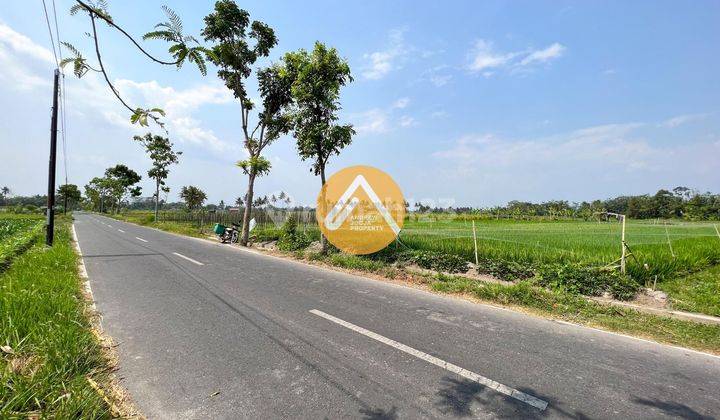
column 121, row 181
column 317, row 77
column 97, row 191
column 221, row 205
column 69, row 194
column 162, row 155
column 183, row 48
column 4, row 194
column 193, row 196
column 239, row 201
column 233, row 53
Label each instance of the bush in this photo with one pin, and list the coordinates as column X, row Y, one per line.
column 585, row 280
column 437, row 261
column 290, row 239
column 505, row 270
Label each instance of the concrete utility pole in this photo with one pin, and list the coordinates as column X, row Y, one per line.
column 51, row 166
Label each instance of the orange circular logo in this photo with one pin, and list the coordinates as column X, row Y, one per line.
column 360, row 210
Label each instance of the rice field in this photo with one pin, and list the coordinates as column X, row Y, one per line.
column 667, row 247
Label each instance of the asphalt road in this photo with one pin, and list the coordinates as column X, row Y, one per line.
column 212, row 331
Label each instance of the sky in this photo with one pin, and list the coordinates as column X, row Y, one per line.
column 463, row 103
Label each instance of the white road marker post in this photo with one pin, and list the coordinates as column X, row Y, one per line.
column 475, row 242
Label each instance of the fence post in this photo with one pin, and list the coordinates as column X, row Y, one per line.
column 475, row 242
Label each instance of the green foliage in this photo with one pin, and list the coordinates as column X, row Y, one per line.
column 193, row 196
column 437, row 261
column 697, row 292
column 256, row 165
column 290, row 238
column 70, row 192
column 16, row 234
column 504, row 270
column 172, row 32
column 589, row 281
column 317, row 77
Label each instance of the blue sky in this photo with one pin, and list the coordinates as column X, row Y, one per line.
column 463, row 103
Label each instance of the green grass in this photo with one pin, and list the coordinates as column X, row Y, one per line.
column 16, row 234
column 697, row 292
column 43, row 321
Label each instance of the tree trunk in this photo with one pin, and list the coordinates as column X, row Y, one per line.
column 323, row 240
column 157, row 197
column 248, row 208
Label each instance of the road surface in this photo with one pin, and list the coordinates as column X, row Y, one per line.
column 212, row 331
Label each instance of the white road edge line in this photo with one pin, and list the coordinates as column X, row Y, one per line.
column 121, row 231
column 140, row 239
column 82, row 272
column 503, row 389
column 188, row 258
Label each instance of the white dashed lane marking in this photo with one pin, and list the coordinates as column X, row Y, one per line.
column 188, row 258
column 140, row 239
column 503, row 389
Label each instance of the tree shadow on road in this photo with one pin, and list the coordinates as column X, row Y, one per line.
column 672, row 409
column 458, row 395
column 379, row 413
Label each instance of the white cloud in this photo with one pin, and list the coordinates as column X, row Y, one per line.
column 407, row 121
column 23, row 45
column 383, row 62
column 483, row 58
column 541, row 56
column 401, row 103
column 682, row 119
column 439, row 114
column 440, row 80
column 373, row 121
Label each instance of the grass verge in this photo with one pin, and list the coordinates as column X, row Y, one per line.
column 697, row 292
column 50, row 359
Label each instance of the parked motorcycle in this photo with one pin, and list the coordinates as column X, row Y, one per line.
column 228, row 234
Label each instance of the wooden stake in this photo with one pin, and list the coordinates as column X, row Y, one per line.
column 716, row 231
column 622, row 240
column 669, row 243
column 475, row 241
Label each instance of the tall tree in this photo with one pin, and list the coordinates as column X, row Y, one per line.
column 193, row 196
column 162, row 155
column 317, row 77
column 238, row 45
column 121, row 181
column 69, row 195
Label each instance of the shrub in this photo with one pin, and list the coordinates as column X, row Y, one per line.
column 437, row 261
column 505, row 270
column 290, row 239
column 586, row 280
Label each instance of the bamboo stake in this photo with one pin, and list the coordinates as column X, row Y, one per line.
column 716, row 231
column 622, row 240
column 669, row 243
column 475, row 242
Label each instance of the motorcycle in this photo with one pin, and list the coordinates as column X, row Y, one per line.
column 228, row 234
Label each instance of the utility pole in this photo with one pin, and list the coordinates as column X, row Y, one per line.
column 51, row 166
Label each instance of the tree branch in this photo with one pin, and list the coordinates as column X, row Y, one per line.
column 111, row 23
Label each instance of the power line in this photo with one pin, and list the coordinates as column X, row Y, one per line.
column 63, row 92
column 52, row 40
